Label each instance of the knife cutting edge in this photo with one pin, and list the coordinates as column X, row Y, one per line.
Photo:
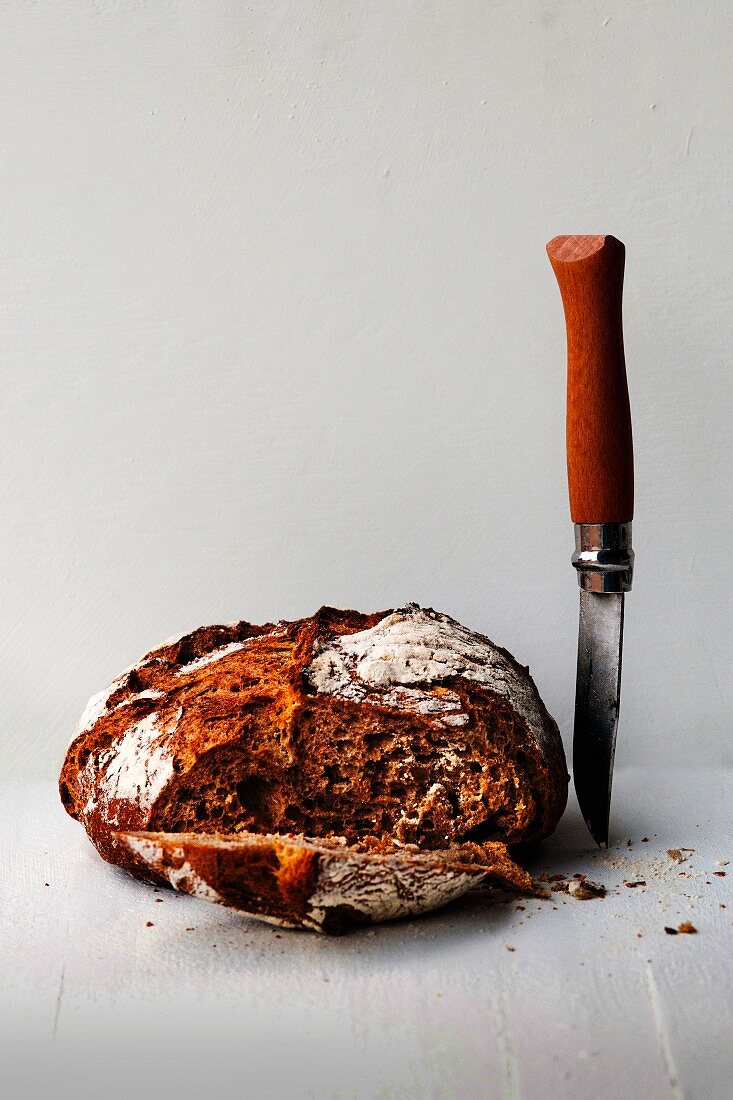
column 590, row 274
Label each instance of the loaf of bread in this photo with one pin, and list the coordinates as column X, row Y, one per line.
column 334, row 770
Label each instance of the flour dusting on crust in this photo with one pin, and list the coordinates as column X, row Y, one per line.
column 98, row 706
column 387, row 890
column 418, row 646
column 181, row 875
column 209, row 658
column 135, row 768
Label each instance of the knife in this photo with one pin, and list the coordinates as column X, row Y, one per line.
column 590, row 274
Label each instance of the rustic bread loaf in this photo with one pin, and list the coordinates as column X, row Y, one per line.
column 365, row 733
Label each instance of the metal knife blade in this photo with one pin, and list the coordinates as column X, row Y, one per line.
column 597, row 697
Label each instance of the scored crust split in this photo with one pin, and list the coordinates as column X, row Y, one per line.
column 395, row 754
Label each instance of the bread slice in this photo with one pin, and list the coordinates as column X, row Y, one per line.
column 327, row 886
column 400, row 728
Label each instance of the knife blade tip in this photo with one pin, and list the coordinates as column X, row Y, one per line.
column 599, row 834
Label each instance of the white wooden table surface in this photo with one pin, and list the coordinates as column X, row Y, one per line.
column 595, row 1001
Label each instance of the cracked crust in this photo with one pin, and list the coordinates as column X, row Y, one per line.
column 397, row 728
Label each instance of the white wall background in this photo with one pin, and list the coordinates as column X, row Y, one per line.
column 278, row 329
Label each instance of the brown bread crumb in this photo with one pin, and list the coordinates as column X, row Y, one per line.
column 679, row 855
column 585, row 890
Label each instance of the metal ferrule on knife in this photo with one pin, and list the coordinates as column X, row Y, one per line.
column 603, row 556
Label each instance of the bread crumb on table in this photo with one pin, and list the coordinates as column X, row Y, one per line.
column 686, row 928
column 585, row 890
column 679, row 855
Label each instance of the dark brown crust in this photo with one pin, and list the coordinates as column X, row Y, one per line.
column 253, row 704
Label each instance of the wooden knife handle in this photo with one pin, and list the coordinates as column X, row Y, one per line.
column 590, row 273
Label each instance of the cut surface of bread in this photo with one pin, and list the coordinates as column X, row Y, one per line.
column 400, row 728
